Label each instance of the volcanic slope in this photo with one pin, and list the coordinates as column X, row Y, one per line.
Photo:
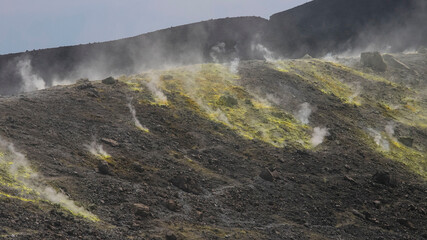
column 286, row 149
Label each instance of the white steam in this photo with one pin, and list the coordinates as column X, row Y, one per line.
column 379, row 139
column 154, row 86
column 357, row 91
column 389, row 129
column 97, row 150
column 20, row 172
column 318, row 136
column 260, row 49
column 217, row 51
column 234, row 65
column 304, row 113
column 31, row 81
column 135, row 119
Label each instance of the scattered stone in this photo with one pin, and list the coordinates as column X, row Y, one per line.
column 227, row 101
column 385, row 178
column 357, row 213
column 307, row 56
column 407, row 141
column 110, row 142
column 186, row 184
column 377, row 203
column 373, row 60
column 350, row 179
column 171, row 236
column 109, row 81
column 266, row 175
column 405, row 222
column 84, row 83
column 137, row 167
column 141, row 210
column 103, row 168
column 172, row 205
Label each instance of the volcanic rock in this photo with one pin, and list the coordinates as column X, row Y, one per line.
column 385, row 178
column 407, row 141
column 141, row 210
column 267, row 175
column 103, row 168
column 110, row 142
column 373, row 60
column 186, row 184
column 109, row 81
column 227, row 101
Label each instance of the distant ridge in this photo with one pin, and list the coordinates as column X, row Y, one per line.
column 315, row 28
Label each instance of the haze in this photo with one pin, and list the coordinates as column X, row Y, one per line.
column 28, row 25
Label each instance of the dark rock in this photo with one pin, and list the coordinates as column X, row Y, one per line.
column 84, row 83
column 103, row 168
column 186, row 184
column 373, row 60
column 227, row 101
column 110, row 142
column 109, row 81
column 377, row 203
column 405, row 222
column 385, row 178
column 266, row 175
column 391, row 61
column 171, row 236
column 407, row 141
column 141, row 210
column 357, row 213
column 172, row 205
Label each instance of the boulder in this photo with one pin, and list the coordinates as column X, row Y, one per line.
column 103, row 168
column 186, row 184
column 267, row 175
column 373, row 60
column 110, row 142
column 407, row 141
column 109, row 81
column 307, row 56
column 385, row 178
column 227, row 101
column 141, row 210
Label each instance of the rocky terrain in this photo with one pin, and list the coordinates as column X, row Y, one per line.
column 280, row 149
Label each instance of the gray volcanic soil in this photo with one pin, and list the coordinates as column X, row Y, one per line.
column 191, row 177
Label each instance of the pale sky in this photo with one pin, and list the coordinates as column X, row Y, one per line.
column 37, row 24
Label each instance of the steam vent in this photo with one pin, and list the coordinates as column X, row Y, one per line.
column 309, row 125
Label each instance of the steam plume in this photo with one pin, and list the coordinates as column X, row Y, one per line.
column 97, row 150
column 234, row 65
column 304, row 112
column 217, row 51
column 20, row 171
column 31, row 81
column 136, row 121
column 154, row 86
column 379, row 140
column 318, row 135
column 260, row 49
